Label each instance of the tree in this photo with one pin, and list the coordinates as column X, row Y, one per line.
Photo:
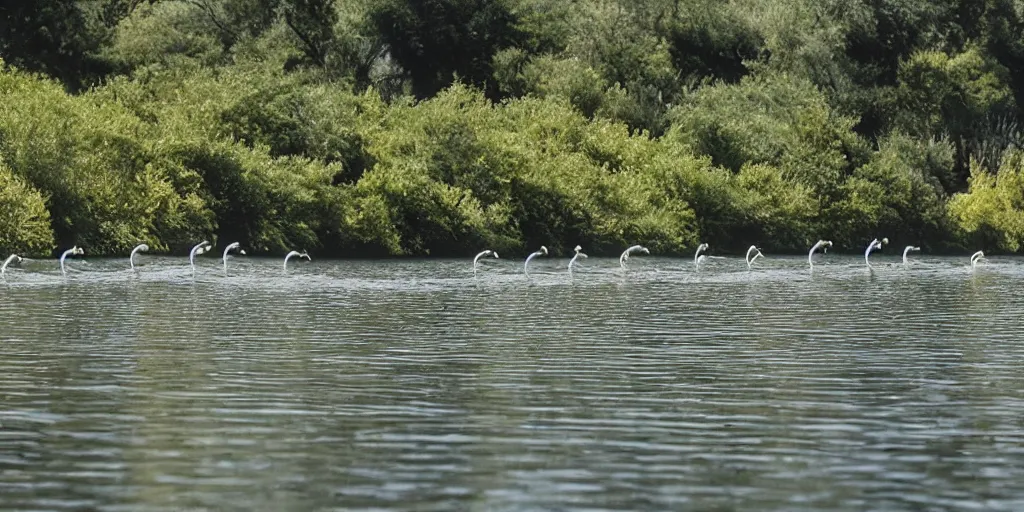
column 53, row 37
column 313, row 22
column 435, row 40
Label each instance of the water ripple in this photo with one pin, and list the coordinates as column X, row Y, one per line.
column 413, row 385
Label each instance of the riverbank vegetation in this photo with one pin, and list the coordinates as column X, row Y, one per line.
column 439, row 127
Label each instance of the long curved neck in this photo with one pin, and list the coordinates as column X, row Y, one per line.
column 527, row 264
column 192, row 254
column 867, row 251
column 8, row 261
column 62, row 258
column 131, row 257
column 751, row 260
column 477, row 258
column 533, row 255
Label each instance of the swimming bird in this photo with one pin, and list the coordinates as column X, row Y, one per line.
column 526, row 266
column 750, row 261
column 488, row 252
column 138, row 248
column 629, row 251
column 14, row 258
column 697, row 258
column 72, row 251
column 875, row 244
column 821, row 243
column 227, row 250
column 577, row 255
column 975, row 258
column 200, row 248
column 906, row 250
column 294, row 254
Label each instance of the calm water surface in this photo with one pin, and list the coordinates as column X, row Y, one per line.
column 412, row 385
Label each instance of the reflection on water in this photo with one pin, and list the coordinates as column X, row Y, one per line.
column 407, row 385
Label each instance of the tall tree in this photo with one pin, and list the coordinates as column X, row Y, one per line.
column 313, row 22
column 52, row 37
column 435, row 40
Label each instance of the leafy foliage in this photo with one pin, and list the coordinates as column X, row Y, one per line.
column 437, row 127
column 992, row 211
column 24, row 219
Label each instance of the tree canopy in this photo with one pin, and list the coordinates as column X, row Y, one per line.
column 435, row 127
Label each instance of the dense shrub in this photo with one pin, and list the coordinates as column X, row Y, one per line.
column 24, row 219
column 439, row 127
column 89, row 163
column 991, row 213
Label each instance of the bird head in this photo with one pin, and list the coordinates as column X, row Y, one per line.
column 544, row 250
column 578, row 249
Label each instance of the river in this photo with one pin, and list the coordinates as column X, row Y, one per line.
column 413, row 385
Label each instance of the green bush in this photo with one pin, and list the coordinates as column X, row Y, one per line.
column 265, row 203
column 24, row 219
column 895, row 195
column 567, row 78
column 779, row 120
column 991, row 213
column 89, row 163
column 778, row 214
column 164, row 34
column 456, row 173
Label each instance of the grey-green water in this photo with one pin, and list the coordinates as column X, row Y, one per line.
column 412, row 385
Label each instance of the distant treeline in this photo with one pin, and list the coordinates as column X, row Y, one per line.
column 441, row 127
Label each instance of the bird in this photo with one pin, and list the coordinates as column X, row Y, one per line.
column 750, row 261
column 976, row 258
column 293, row 254
column 487, row 252
column 199, row 248
column 76, row 250
column 138, row 248
column 875, row 244
column 14, row 258
column 227, row 250
column 578, row 254
column 633, row 249
column 543, row 251
column 697, row 258
column 906, row 250
column 820, row 244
